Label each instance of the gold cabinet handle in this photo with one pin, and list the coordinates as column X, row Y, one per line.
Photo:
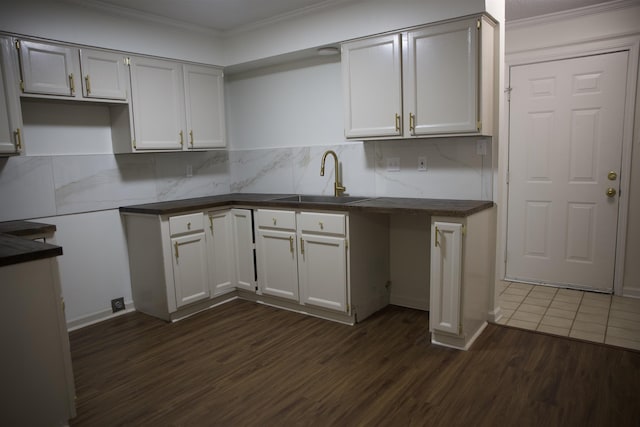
column 188, row 226
column 72, row 84
column 611, row 192
column 437, row 243
column 191, row 138
column 211, row 223
column 412, row 122
column 397, row 122
column 274, row 221
column 18, row 135
column 175, row 247
column 321, row 225
column 181, row 138
column 291, row 244
column 87, row 83
column 301, row 246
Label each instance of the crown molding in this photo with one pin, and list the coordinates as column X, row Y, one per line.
column 285, row 16
column 571, row 13
column 144, row 16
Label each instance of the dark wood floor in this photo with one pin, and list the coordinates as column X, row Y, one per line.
column 247, row 364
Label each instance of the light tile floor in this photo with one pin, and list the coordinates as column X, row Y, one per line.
column 588, row 316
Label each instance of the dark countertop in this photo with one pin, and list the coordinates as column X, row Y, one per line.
column 15, row 249
column 386, row 205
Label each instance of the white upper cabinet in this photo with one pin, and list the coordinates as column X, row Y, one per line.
column 204, row 104
column 437, row 79
column 104, row 75
column 81, row 74
column 10, row 113
column 441, row 79
column 48, row 69
column 158, row 104
column 372, row 83
column 176, row 106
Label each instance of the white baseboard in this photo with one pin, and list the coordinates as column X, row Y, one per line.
column 495, row 315
column 99, row 316
column 631, row 292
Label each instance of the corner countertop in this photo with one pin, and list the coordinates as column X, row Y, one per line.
column 15, row 248
column 386, row 205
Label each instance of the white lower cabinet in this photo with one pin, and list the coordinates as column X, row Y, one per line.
column 304, row 257
column 184, row 263
column 322, row 260
column 462, row 275
column 190, row 278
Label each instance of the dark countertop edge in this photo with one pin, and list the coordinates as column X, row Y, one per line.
column 26, row 228
column 458, row 208
column 16, row 250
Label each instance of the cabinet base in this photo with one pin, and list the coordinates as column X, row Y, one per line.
column 460, row 342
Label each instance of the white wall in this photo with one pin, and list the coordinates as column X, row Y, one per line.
column 341, row 22
column 73, row 21
column 530, row 39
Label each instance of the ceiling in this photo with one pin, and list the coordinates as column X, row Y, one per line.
column 227, row 15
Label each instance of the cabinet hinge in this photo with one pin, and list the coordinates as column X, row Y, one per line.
column 127, row 61
column 348, row 308
column 508, row 92
column 346, row 244
column 464, row 229
column 22, row 85
column 134, row 144
column 479, row 125
column 478, row 24
column 18, row 44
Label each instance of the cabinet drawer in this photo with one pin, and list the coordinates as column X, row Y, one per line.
column 186, row 223
column 284, row 220
column 313, row 222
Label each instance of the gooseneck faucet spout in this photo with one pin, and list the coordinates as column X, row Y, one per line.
column 338, row 189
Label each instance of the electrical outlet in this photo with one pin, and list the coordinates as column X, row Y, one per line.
column 117, row 304
column 422, row 164
column 393, row 164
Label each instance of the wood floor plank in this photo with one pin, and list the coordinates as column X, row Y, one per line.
column 247, row 364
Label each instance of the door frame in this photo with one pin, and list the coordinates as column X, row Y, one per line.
column 569, row 51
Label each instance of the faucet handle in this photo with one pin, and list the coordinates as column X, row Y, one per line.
column 338, row 189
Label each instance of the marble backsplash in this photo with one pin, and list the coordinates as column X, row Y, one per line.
column 44, row 186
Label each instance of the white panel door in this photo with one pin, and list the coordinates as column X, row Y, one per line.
column 104, row 75
column 49, row 69
column 220, row 252
column 441, row 79
column 157, row 96
column 566, row 123
column 190, row 268
column 446, row 277
column 204, row 96
column 278, row 265
column 243, row 249
column 322, row 266
column 372, row 87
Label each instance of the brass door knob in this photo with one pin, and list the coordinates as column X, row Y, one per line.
column 612, row 176
column 611, row 192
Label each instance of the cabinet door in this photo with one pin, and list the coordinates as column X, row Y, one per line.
column 441, row 79
column 204, row 103
column 220, row 252
column 278, row 265
column 322, row 266
column 372, row 87
column 10, row 113
column 104, row 75
column 190, row 268
column 158, row 104
column 48, row 69
column 243, row 249
column 446, row 277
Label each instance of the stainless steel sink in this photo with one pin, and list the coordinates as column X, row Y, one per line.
column 303, row 198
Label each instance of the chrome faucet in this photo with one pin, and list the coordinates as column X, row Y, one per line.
column 338, row 189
